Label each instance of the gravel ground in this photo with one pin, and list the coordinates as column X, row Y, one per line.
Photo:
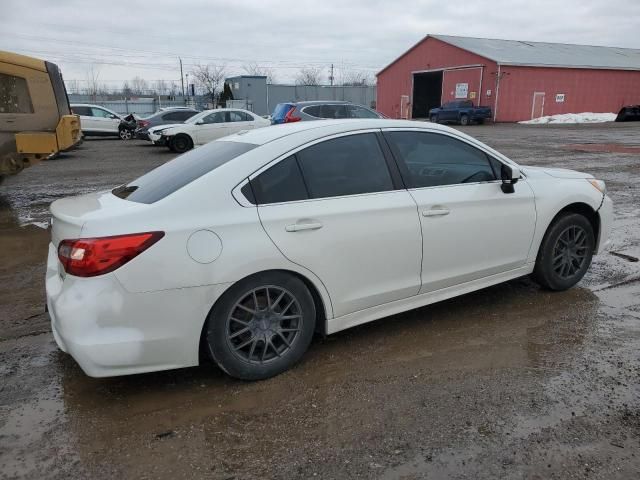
column 507, row 382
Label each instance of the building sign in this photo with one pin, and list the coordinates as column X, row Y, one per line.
column 462, row 90
column 559, row 97
column 489, row 92
column 472, row 95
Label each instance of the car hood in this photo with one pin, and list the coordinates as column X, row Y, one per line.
column 540, row 172
column 165, row 126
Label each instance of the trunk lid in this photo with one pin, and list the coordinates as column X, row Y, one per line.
column 69, row 215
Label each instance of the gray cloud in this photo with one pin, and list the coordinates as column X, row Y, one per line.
column 125, row 39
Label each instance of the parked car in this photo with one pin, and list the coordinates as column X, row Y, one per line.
column 462, row 112
column 629, row 113
column 319, row 109
column 208, row 126
column 243, row 248
column 171, row 116
column 99, row 121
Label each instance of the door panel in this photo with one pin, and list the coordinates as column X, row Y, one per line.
column 537, row 107
column 472, row 231
column 366, row 249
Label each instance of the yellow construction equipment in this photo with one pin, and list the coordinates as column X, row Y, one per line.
column 35, row 118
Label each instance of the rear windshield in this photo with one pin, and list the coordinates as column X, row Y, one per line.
column 180, row 171
column 280, row 111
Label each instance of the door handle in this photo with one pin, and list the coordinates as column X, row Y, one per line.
column 435, row 212
column 297, row 227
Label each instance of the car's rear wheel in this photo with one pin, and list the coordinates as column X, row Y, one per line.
column 464, row 120
column 181, row 143
column 125, row 134
column 434, row 119
column 261, row 326
column 565, row 253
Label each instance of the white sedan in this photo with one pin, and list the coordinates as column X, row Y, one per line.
column 247, row 246
column 205, row 127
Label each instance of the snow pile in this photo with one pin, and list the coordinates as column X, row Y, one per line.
column 586, row 117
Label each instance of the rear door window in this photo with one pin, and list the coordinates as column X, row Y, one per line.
column 237, row 116
column 348, row 165
column 281, row 183
column 179, row 116
column 433, row 159
column 333, row 111
column 313, row 110
column 180, row 171
column 360, row 112
column 14, row 95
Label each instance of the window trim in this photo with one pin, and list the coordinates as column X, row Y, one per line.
column 320, row 105
column 390, row 162
column 490, row 154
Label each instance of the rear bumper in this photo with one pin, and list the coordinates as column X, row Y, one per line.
column 110, row 331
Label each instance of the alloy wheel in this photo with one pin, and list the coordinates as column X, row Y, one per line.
column 264, row 324
column 570, row 251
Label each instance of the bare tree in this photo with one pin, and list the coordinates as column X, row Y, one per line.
column 73, row 86
column 93, row 81
column 126, row 89
column 161, row 88
column 173, row 89
column 209, row 78
column 356, row 78
column 139, row 85
column 309, row 76
column 259, row 70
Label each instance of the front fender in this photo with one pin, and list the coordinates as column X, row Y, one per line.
column 552, row 196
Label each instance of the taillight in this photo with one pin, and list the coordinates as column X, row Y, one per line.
column 143, row 123
column 289, row 118
column 89, row 257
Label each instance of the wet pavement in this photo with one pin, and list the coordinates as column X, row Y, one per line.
column 507, row 382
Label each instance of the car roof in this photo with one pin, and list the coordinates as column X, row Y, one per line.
column 87, row 105
column 265, row 135
column 321, row 102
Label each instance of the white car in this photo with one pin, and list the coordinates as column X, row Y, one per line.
column 96, row 120
column 246, row 246
column 205, row 127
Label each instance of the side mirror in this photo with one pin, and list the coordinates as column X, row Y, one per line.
column 509, row 176
column 115, row 117
column 199, row 122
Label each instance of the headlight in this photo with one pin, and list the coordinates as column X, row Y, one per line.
column 598, row 184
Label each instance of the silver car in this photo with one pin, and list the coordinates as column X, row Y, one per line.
column 320, row 109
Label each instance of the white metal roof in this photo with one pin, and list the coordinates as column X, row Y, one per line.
column 543, row 54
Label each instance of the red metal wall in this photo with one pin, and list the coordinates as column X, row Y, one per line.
column 432, row 54
column 585, row 91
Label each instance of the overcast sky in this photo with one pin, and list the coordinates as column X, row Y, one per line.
column 123, row 39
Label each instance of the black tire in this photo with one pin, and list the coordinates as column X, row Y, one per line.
column 434, row 119
column 557, row 265
column 480, row 121
column 125, row 134
column 247, row 348
column 181, row 143
column 464, row 120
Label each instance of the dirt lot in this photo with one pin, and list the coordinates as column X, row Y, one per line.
column 508, row 382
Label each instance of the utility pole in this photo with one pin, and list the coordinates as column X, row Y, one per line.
column 331, row 76
column 181, row 77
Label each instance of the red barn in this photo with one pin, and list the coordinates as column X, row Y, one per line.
column 518, row 80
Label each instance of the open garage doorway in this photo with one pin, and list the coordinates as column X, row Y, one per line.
column 427, row 93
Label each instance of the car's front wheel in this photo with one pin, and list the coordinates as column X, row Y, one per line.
column 125, row 134
column 434, row 119
column 181, row 143
column 261, row 326
column 565, row 253
column 464, row 120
